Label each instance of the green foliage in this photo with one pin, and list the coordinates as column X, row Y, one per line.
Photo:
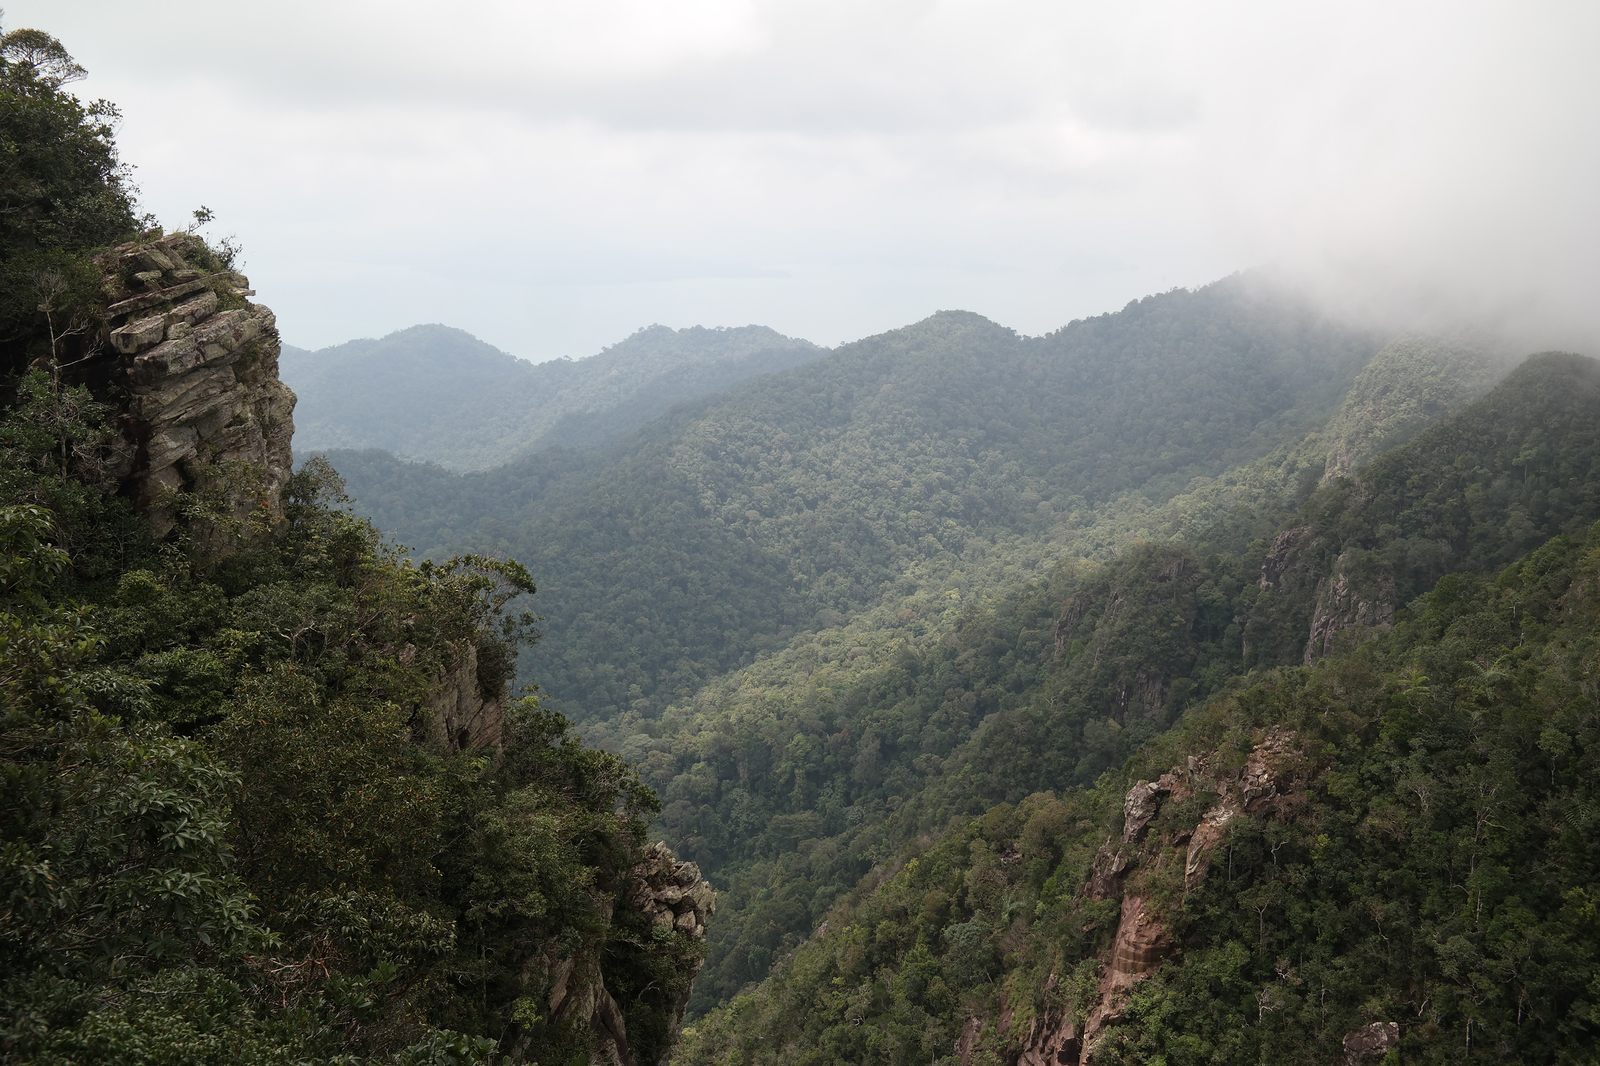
column 317, row 880
column 791, row 780
column 63, row 191
column 1432, row 871
column 304, row 874
column 1471, row 493
column 1412, row 383
column 895, row 465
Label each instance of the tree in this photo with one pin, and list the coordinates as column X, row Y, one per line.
column 63, row 192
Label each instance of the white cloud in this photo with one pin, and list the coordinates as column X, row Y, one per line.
column 553, row 175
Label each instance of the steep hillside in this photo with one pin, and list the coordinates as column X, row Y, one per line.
column 439, row 394
column 1475, row 491
column 1383, row 850
column 800, row 499
column 264, row 795
column 792, row 778
column 1408, row 386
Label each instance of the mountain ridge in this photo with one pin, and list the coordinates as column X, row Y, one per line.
column 437, row 393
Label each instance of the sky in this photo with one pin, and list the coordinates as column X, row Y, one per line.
column 553, row 176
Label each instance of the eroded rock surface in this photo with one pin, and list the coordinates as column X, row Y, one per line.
column 461, row 715
column 205, row 412
column 673, row 895
column 1350, row 607
column 1267, row 778
column 1371, row 1042
column 1053, row 1038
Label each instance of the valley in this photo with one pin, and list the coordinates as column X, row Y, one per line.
column 1209, row 681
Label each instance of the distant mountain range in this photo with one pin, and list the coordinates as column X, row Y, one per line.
column 949, row 566
column 436, row 393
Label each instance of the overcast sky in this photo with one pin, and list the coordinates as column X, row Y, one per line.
column 552, row 176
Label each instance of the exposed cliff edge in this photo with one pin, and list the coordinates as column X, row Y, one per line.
column 205, row 413
column 189, row 366
column 1148, row 874
column 674, row 899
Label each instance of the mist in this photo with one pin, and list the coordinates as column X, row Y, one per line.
column 551, row 177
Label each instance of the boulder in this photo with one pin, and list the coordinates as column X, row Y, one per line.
column 1371, row 1042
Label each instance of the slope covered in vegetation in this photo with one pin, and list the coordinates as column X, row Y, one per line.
column 799, row 499
column 794, row 779
column 263, row 795
column 1391, row 836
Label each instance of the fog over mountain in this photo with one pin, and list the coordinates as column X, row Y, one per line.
column 550, row 176
column 1156, row 626
column 436, row 393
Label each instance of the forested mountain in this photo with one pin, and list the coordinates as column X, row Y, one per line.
column 1060, row 685
column 1384, row 857
column 439, row 394
column 880, row 471
column 264, row 796
column 790, row 780
column 1207, row 682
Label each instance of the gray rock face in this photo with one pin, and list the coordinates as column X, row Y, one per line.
column 1348, row 604
column 673, row 893
column 674, row 896
column 206, row 413
column 1371, row 1042
column 461, row 716
column 1142, row 804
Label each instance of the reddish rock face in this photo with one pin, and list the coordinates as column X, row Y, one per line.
column 1140, row 945
column 1052, row 1040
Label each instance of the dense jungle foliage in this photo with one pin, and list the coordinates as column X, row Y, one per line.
column 439, row 394
column 62, row 189
column 224, row 827
column 799, row 499
column 790, row 782
column 1431, row 866
column 889, row 636
column 228, row 833
column 780, row 778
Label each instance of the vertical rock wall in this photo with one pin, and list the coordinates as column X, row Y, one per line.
column 1086, row 1033
column 205, row 412
column 461, row 715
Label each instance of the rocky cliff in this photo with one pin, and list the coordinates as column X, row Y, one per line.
column 464, row 712
column 1148, row 869
column 204, row 418
column 675, row 899
column 189, row 365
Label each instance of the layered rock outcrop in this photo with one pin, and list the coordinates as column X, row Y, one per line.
column 673, row 896
column 205, row 412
